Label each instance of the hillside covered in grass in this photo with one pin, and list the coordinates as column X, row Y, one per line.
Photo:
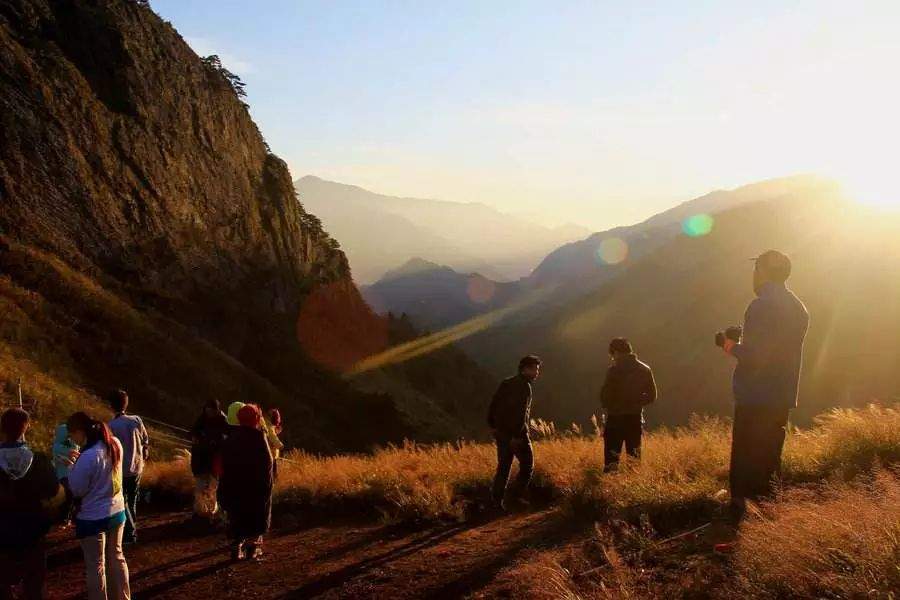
column 848, row 457
column 150, row 240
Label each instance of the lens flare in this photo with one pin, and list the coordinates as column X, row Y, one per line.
column 480, row 289
column 436, row 341
column 698, row 225
column 612, row 251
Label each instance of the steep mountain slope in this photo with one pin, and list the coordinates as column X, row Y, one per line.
column 671, row 301
column 434, row 296
column 380, row 232
column 151, row 240
column 581, row 265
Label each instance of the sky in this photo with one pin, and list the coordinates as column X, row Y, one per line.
column 597, row 113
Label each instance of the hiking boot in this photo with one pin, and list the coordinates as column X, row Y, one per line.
column 237, row 552
column 254, row 549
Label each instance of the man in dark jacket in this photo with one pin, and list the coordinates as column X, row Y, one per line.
column 628, row 388
column 765, row 379
column 508, row 418
column 31, row 499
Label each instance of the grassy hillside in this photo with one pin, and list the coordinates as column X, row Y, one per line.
column 671, row 301
column 846, row 458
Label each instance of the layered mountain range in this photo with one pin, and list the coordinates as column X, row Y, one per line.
column 670, row 284
column 380, row 232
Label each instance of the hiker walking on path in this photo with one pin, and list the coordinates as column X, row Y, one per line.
column 96, row 483
column 207, row 437
column 131, row 433
column 508, row 418
column 245, row 489
column 628, row 388
column 31, row 500
column 769, row 351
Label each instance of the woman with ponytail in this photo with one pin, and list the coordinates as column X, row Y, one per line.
column 96, row 484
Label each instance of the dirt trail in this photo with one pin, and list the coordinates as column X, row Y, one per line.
column 328, row 561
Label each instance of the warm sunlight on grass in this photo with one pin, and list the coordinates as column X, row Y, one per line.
column 837, row 541
column 680, row 473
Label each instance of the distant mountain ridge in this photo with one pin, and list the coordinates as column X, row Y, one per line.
column 437, row 296
column 579, row 265
column 468, row 237
column 434, row 296
column 671, row 300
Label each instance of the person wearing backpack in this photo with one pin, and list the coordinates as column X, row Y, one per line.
column 207, row 437
column 31, row 500
column 131, row 433
column 96, row 483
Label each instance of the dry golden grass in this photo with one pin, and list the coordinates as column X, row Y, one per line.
column 680, row 472
column 836, row 541
column 838, row 537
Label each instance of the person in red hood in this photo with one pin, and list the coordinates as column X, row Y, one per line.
column 245, row 487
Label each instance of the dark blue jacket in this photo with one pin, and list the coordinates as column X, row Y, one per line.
column 510, row 408
column 771, row 350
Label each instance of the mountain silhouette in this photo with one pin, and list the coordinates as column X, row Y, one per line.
column 380, row 232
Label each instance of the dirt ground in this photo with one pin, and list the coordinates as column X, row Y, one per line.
column 332, row 560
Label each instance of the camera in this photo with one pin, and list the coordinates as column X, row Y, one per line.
column 733, row 333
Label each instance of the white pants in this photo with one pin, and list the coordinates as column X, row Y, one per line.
column 105, row 566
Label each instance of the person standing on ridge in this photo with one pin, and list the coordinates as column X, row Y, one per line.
column 628, row 388
column 131, row 433
column 769, row 351
column 508, row 418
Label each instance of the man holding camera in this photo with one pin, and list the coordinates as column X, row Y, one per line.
column 768, row 350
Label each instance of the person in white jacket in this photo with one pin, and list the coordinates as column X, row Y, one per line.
column 96, row 483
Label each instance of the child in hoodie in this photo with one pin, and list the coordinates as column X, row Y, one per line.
column 65, row 453
column 30, row 501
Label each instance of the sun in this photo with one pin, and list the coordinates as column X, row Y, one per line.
column 872, row 188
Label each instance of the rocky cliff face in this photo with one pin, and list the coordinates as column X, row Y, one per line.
column 125, row 154
column 130, row 161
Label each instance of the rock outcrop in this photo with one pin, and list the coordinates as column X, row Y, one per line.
column 128, row 161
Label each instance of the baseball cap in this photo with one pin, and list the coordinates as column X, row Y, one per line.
column 776, row 264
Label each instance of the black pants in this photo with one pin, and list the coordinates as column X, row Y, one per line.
column 130, row 489
column 757, row 439
column 621, row 429
column 26, row 565
column 507, row 449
